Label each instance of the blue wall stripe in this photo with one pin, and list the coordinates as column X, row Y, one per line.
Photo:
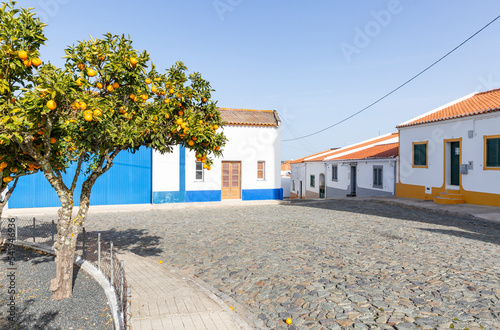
column 261, row 194
column 203, row 196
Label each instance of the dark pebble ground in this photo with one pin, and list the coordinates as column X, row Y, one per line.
column 35, row 309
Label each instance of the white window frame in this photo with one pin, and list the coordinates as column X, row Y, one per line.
column 263, row 170
column 378, row 169
column 197, row 171
column 335, row 170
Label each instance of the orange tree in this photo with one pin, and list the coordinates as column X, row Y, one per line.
column 21, row 36
column 109, row 98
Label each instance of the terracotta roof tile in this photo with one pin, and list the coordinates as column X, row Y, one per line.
column 347, row 151
column 390, row 150
column 247, row 117
column 478, row 103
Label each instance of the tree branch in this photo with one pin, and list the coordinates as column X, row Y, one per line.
column 77, row 174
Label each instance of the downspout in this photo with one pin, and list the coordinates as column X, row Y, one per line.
column 395, row 174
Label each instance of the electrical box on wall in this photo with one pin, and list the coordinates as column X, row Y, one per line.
column 463, row 169
column 470, row 165
column 471, row 134
column 428, row 190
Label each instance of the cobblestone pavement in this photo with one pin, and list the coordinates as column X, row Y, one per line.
column 335, row 264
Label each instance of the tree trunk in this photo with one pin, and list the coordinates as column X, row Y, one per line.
column 64, row 246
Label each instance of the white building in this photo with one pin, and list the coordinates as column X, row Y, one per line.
column 452, row 154
column 249, row 170
column 368, row 168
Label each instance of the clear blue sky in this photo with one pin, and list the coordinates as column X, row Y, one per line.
column 307, row 60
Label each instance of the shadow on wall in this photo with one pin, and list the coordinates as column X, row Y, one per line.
column 465, row 226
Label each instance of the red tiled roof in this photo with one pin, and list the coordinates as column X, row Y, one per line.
column 247, row 117
column 479, row 103
column 354, row 147
column 330, row 154
column 390, row 150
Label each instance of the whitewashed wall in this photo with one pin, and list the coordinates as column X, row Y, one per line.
column 472, row 150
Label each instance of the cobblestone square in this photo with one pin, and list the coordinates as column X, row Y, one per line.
column 332, row 264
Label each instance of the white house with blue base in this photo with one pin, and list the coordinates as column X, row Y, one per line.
column 250, row 169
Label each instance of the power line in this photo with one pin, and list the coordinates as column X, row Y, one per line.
column 397, row 88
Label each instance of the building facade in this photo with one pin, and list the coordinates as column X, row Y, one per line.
column 452, row 154
column 368, row 168
column 250, row 169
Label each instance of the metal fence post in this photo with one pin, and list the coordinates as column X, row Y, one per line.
column 83, row 244
column 34, row 228
column 99, row 251
column 128, row 314
column 52, row 232
column 111, row 264
column 121, row 284
column 16, row 223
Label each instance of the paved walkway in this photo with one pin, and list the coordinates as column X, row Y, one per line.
column 161, row 299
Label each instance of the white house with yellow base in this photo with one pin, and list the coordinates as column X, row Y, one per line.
column 451, row 154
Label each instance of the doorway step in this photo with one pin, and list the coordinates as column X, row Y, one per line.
column 450, row 196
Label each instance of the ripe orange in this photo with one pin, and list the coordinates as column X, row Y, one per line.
column 40, row 132
column 91, row 72
column 116, row 85
column 191, row 143
column 100, row 85
column 23, row 54
column 204, row 100
column 101, row 57
column 123, row 110
column 83, row 105
column 288, row 321
column 132, row 96
column 154, row 89
column 81, row 66
column 75, row 105
column 27, row 63
column 166, row 101
column 52, row 140
column 183, row 125
column 81, row 129
column 179, row 121
column 171, row 91
column 136, row 99
column 7, row 179
column 133, row 61
column 211, row 115
column 144, row 97
column 109, row 88
column 97, row 112
column 13, row 169
column 167, row 116
column 36, row 62
column 79, row 82
column 147, row 81
column 181, row 113
column 216, row 127
column 178, row 95
column 87, row 115
column 51, row 104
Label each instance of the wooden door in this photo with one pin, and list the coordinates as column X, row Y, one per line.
column 231, row 180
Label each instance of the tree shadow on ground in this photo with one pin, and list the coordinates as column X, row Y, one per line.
column 137, row 241
column 25, row 320
column 471, row 227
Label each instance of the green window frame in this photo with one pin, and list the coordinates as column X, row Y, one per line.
column 492, row 152
column 420, row 154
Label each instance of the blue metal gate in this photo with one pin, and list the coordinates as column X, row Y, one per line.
column 129, row 181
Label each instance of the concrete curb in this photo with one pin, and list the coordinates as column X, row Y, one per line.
column 97, row 275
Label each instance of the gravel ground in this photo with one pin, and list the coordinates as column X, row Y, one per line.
column 335, row 264
column 86, row 309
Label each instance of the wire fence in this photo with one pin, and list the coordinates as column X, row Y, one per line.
column 89, row 246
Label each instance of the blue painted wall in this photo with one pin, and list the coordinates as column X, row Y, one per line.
column 129, row 181
column 261, row 194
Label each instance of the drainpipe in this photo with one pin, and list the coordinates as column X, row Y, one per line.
column 395, row 174
column 326, row 180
